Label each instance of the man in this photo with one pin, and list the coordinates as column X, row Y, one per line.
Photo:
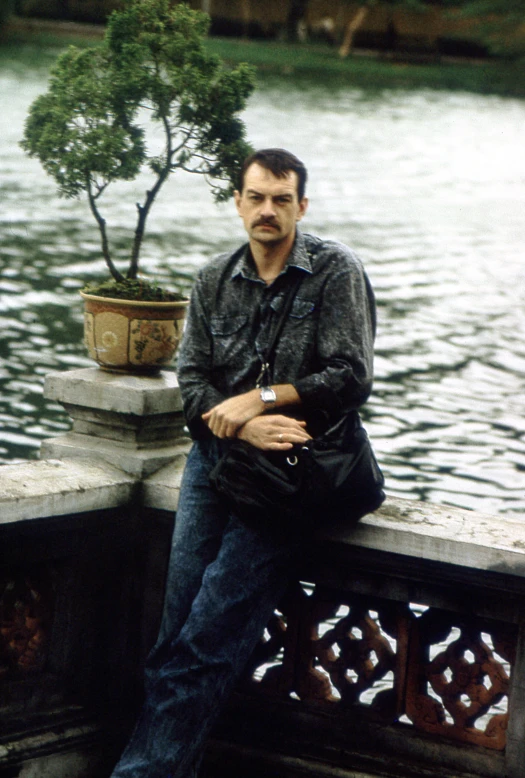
column 225, row 578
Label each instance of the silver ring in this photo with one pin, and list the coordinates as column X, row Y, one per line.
column 281, row 438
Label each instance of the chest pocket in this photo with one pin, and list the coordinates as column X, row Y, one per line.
column 229, row 340
column 301, row 307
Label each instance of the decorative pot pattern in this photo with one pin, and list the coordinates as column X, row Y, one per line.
column 131, row 335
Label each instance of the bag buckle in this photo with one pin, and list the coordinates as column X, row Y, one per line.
column 293, row 460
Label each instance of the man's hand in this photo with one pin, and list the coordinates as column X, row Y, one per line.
column 229, row 416
column 274, row 432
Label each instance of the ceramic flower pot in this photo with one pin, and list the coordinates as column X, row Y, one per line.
column 132, row 335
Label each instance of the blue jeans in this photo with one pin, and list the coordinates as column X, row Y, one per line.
column 224, row 582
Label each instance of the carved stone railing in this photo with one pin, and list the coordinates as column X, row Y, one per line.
column 417, row 657
column 400, row 652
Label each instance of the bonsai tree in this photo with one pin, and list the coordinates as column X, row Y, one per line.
column 152, row 70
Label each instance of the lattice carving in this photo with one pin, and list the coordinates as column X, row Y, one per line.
column 26, row 605
column 325, row 649
column 455, row 692
column 448, row 674
column 353, row 646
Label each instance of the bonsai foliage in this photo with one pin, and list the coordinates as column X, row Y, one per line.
column 152, row 71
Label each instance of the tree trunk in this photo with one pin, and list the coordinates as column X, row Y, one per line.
column 351, row 28
column 63, row 9
column 206, row 6
column 246, row 17
column 296, row 12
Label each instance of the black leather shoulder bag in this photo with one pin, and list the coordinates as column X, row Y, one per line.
column 334, row 477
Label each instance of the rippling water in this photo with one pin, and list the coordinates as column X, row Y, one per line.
column 429, row 188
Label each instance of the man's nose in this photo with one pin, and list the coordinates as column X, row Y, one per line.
column 268, row 208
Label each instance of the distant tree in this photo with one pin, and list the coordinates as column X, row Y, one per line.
column 358, row 19
column 501, row 23
column 296, row 13
column 246, row 11
column 6, row 9
column 514, row 10
column 63, row 9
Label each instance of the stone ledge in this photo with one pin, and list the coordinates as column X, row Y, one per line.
column 123, row 393
column 59, row 751
column 417, row 530
column 34, row 490
column 137, row 462
column 161, row 490
column 441, row 533
column 414, row 529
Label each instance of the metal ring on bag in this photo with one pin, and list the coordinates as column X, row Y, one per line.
column 292, row 461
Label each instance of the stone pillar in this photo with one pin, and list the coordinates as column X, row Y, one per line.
column 132, row 422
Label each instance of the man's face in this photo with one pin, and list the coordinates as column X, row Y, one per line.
column 269, row 206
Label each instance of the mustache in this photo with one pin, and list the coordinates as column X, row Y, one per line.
column 265, row 221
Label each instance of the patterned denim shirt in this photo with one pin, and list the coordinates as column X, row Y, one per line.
column 326, row 346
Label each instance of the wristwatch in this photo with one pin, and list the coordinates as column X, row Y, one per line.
column 268, row 396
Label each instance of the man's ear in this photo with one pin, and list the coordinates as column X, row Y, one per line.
column 303, row 207
column 237, row 199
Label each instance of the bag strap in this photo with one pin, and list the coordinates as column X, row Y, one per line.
column 263, row 378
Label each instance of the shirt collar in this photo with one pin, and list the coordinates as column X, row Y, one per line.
column 299, row 257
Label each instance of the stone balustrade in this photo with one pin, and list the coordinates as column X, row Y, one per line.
column 398, row 653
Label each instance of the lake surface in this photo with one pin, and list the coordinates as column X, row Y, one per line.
column 428, row 187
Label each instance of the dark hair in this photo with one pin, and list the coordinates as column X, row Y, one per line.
column 279, row 162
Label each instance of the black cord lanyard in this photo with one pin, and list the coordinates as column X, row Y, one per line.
column 264, row 378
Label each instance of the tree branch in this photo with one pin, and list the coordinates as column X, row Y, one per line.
column 143, row 210
column 102, row 227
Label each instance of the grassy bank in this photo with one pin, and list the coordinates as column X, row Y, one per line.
column 367, row 70
column 20, row 31
column 371, row 70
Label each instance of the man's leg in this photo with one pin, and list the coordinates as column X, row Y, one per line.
column 197, row 535
column 208, row 635
column 199, row 526
column 239, row 593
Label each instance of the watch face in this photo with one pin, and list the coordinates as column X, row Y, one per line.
column 268, row 395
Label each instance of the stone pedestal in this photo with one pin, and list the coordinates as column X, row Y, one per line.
column 132, row 422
